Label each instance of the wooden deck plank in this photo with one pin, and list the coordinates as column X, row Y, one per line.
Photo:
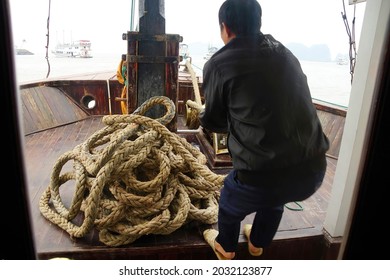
column 333, row 126
column 46, row 107
column 31, row 109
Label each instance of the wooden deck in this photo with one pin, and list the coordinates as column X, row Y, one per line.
column 303, row 229
column 53, row 128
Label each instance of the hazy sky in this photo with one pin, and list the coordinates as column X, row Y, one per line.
column 103, row 22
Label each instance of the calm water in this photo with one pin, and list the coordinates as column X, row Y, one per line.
column 328, row 81
column 35, row 67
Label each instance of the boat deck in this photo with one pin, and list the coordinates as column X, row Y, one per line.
column 299, row 236
column 55, row 121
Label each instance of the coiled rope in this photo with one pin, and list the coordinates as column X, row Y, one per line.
column 133, row 177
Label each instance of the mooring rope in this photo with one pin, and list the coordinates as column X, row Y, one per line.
column 193, row 108
column 132, row 178
column 121, row 74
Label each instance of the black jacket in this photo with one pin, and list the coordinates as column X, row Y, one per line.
column 256, row 91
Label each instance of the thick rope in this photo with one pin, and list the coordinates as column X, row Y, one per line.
column 194, row 83
column 133, row 177
column 193, row 108
column 121, row 74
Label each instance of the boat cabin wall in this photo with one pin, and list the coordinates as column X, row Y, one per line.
column 96, row 97
column 60, row 102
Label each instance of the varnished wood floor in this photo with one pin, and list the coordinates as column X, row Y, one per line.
column 298, row 236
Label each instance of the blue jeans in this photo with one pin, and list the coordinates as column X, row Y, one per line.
column 238, row 200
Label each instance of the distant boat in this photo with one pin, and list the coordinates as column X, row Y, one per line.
column 184, row 50
column 342, row 60
column 212, row 50
column 80, row 48
column 184, row 53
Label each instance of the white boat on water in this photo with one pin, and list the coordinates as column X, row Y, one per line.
column 211, row 51
column 80, row 48
column 184, row 54
column 342, row 59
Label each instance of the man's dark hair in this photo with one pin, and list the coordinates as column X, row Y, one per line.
column 243, row 17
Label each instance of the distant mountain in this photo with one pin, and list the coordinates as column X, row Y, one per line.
column 23, row 52
column 21, row 49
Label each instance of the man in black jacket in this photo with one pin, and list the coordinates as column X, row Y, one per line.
column 256, row 91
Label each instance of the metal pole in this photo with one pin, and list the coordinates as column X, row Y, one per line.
column 132, row 15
